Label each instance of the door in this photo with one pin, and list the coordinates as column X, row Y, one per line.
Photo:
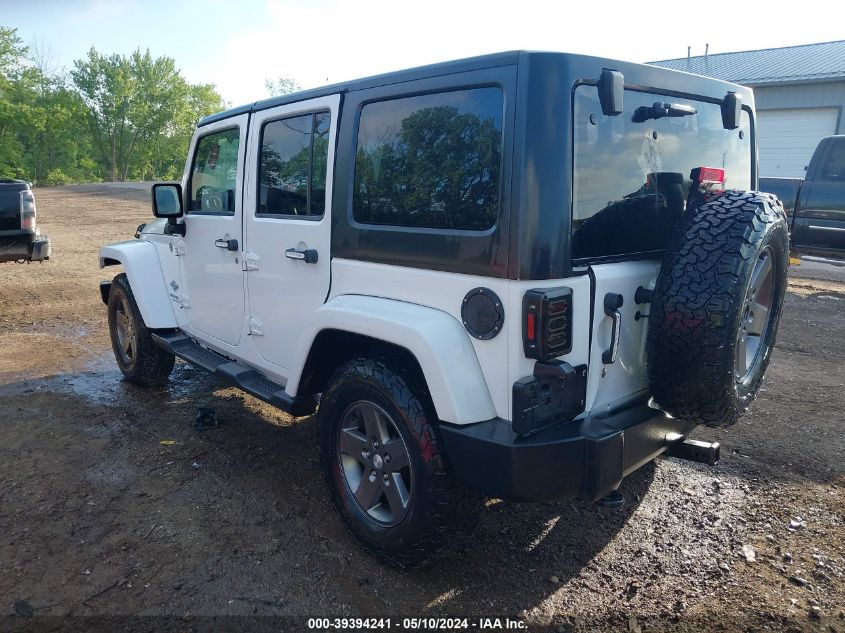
column 820, row 224
column 288, row 223
column 786, row 139
column 618, row 368
column 212, row 274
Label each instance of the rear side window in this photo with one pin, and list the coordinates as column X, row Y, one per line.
column 292, row 169
column 214, row 175
column 431, row 161
column 834, row 166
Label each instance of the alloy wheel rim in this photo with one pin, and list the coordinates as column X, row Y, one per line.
column 375, row 462
column 127, row 336
column 756, row 317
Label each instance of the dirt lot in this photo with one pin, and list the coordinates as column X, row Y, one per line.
column 99, row 516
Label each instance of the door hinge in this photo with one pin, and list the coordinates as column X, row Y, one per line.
column 181, row 299
column 249, row 261
column 179, row 248
column 256, row 327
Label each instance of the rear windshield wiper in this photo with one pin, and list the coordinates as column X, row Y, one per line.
column 660, row 110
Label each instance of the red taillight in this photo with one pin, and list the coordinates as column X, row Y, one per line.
column 558, row 307
column 27, row 211
column 707, row 175
column 547, row 324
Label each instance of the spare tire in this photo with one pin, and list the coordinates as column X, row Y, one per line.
column 716, row 306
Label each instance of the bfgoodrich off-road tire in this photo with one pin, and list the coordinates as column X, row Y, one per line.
column 384, row 467
column 141, row 361
column 716, row 306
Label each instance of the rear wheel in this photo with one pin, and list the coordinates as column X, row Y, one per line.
column 716, row 306
column 141, row 361
column 384, row 467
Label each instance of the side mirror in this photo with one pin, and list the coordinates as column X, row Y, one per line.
column 167, row 200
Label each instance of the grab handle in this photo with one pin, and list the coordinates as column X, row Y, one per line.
column 612, row 302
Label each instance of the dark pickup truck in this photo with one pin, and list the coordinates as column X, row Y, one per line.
column 20, row 239
column 816, row 204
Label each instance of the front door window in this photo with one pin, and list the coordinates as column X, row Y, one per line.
column 214, row 175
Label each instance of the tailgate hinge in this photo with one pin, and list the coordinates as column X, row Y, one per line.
column 249, row 261
column 256, row 327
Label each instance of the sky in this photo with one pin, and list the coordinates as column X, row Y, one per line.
column 238, row 44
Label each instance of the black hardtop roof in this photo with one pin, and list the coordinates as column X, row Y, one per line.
column 641, row 73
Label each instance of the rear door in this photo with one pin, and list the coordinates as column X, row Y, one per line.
column 288, row 223
column 821, row 217
column 631, row 178
column 211, row 266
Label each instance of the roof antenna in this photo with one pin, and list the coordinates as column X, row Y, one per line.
column 706, row 50
column 688, row 52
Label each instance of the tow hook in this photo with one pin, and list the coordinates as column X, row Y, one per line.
column 695, row 451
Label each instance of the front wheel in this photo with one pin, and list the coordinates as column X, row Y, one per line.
column 141, row 361
column 384, row 467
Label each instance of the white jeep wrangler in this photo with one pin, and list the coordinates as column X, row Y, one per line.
column 523, row 275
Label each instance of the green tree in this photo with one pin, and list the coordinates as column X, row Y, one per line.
column 163, row 156
column 13, row 108
column 113, row 116
column 40, row 129
column 139, row 107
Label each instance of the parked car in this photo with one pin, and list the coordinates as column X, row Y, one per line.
column 20, row 239
column 816, row 204
column 516, row 275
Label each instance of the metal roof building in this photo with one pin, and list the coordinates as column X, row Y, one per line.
column 799, row 93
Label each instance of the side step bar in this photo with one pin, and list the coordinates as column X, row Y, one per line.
column 234, row 373
column 695, row 451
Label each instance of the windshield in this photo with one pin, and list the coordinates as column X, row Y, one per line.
column 631, row 171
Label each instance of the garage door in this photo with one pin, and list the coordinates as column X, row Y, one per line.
column 787, row 138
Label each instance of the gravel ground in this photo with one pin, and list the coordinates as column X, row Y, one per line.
column 110, row 504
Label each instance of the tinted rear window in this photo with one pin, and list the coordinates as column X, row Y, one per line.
column 430, row 161
column 631, row 176
column 834, row 166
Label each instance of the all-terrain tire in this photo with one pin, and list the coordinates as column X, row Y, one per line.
column 143, row 363
column 438, row 505
column 700, row 312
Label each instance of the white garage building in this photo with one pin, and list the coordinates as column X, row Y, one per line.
column 799, row 92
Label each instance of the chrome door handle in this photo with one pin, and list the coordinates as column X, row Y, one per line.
column 308, row 255
column 612, row 303
column 229, row 245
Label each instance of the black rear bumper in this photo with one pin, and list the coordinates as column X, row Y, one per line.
column 26, row 245
column 586, row 458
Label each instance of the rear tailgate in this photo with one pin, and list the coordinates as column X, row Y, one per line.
column 611, row 383
column 10, row 208
column 786, row 189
